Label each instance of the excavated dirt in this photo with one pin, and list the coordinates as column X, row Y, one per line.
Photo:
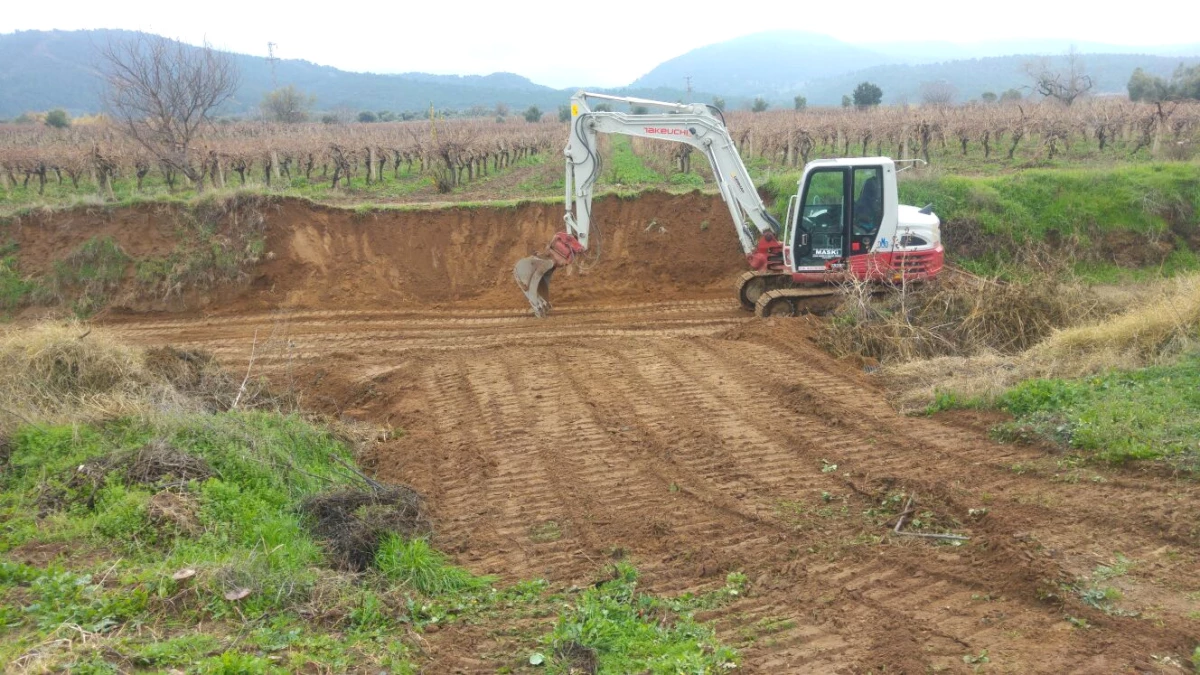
column 659, row 246
column 648, row 417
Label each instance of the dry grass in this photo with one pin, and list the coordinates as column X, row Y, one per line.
column 70, row 372
column 1160, row 323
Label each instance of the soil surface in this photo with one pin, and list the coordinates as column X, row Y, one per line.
column 649, row 418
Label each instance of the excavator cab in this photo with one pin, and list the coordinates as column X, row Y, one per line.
column 848, row 218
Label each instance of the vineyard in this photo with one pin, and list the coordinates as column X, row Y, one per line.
column 448, row 154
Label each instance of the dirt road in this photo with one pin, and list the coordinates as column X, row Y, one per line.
column 696, row 441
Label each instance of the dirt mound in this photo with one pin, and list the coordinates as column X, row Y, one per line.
column 303, row 255
column 654, row 246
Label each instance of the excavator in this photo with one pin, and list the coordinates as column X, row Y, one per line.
column 844, row 222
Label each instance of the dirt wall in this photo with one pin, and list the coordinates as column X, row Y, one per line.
column 654, row 246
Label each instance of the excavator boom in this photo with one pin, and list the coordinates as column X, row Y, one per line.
column 701, row 126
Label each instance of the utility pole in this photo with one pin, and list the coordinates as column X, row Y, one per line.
column 688, row 80
column 272, row 59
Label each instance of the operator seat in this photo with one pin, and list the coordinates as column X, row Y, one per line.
column 866, row 207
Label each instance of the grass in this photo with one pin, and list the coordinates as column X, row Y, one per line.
column 15, row 289
column 1118, row 416
column 613, row 628
column 1034, row 202
column 625, row 168
column 417, row 564
column 86, row 277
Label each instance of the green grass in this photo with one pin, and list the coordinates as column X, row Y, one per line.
column 1117, row 417
column 86, row 277
column 15, row 289
column 417, row 564
column 119, row 553
column 626, row 631
column 624, row 167
column 1031, row 203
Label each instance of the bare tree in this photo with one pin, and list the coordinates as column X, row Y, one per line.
column 1065, row 84
column 938, row 93
column 162, row 92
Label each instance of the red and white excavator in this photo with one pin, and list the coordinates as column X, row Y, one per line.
column 844, row 222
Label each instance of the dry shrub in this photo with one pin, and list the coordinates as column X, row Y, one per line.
column 197, row 374
column 353, row 523
column 956, row 314
column 157, row 463
column 1165, row 324
column 68, row 372
column 1155, row 326
column 71, row 372
column 577, row 657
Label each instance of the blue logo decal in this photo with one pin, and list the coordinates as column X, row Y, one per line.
column 883, row 243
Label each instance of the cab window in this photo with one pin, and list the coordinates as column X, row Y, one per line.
column 821, row 214
column 866, row 213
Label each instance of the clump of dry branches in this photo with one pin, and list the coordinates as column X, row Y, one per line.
column 957, row 314
column 353, row 523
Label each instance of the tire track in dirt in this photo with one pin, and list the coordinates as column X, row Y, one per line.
column 762, row 466
column 546, row 447
column 493, row 486
column 875, row 462
column 1168, row 512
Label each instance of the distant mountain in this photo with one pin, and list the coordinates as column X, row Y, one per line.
column 40, row 70
column 972, row 77
column 778, row 65
column 763, row 64
column 935, row 51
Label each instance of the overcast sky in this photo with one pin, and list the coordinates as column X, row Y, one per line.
column 599, row 43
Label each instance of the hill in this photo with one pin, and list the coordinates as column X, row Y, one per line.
column 45, row 69
column 41, row 70
column 771, row 63
column 972, row 77
column 780, row 64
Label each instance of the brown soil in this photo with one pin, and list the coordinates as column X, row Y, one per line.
column 649, row 416
column 651, row 248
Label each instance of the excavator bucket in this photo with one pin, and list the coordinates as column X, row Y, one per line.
column 533, row 276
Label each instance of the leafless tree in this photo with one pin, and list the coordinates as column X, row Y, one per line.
column 938, row 93
column 162, row 93
column 1064, row 85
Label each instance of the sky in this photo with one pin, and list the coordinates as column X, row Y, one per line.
column 594, row 43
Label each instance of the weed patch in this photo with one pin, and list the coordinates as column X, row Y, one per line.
column 88, row 276
column 1119, row 416
column 612, row 628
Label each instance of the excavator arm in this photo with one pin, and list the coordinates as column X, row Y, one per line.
column 698, row 125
